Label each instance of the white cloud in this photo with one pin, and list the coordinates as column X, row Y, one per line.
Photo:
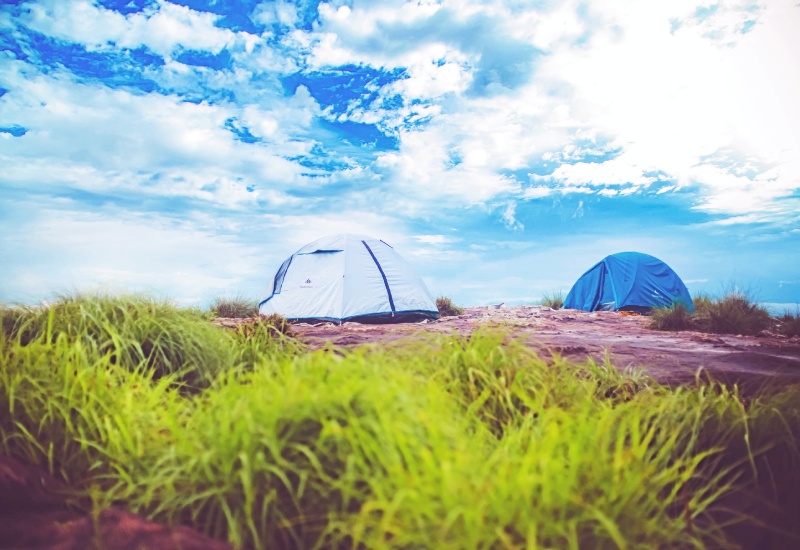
column 63, row 250
column 510, row 217
column 722, row 21
column 612, row 97
column 163, row 27
column 536, row 192
column 280, row 12
column 617, row 172
column 660, row 83
column 96, row 138
column 433, row 239
column 669, row 99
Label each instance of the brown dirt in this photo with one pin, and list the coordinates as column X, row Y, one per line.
column 34, row 516
column 670, row 357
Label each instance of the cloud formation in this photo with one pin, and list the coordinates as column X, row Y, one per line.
column 446, row 126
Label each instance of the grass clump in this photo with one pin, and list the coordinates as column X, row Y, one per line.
column 447, row 308
column 137, row 333
column 553, row 301
column 273, row 325
column 702, row 303
column 264, row 337
column 734, row 313
column 674, row 317
column 236, row 307
column 789, row 324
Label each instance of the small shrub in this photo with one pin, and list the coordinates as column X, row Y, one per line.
column 447, row 308
column 702, row 303
column 274, row 325
column 789, row 324
column 553, row 301
column 674, row 317
column 735, row 313
column 236, row 307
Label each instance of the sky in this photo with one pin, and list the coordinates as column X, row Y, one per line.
column 185, row 148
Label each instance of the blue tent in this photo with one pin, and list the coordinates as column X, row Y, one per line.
column 628, row 281
column 348, row 278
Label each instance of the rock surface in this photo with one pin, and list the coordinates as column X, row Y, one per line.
column 670, row 357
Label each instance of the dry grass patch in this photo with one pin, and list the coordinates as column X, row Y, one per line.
column 447, row 308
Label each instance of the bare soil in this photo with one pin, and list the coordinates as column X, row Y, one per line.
column 34, row 515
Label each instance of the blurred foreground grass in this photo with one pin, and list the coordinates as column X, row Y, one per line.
column 432, row 442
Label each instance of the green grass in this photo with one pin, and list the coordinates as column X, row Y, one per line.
column 432, row 442
column 234, row 307
column 447, row 308
column 132, row 331
column 553, row 301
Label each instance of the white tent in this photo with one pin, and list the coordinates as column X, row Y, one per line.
column 348, row 278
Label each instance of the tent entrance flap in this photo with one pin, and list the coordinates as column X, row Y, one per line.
column 277, row 282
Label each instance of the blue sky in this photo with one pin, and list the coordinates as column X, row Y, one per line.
column 185, row 148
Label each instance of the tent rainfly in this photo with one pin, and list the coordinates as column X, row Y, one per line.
column 629, row 281
column 348, row 278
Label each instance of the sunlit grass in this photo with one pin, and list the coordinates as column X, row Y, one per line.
column 132, row 331
column 432, row 442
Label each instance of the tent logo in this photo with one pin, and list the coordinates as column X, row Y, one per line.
column 307, row 284
column 308, row 281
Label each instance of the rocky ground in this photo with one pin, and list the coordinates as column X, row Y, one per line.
column 670, row 357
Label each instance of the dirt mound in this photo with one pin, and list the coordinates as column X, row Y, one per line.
column 34, row 515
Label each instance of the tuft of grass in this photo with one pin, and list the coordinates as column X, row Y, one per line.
column 789, row 324
column 273, row 325
column 702, row 303
column 236, row 307
column 734, row 313
column 265, row 336
column 135, row 332
column 447, row 308
column 553, row 301
column 674, row 317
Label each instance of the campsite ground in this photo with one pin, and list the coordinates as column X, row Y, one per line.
column 670, row 357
